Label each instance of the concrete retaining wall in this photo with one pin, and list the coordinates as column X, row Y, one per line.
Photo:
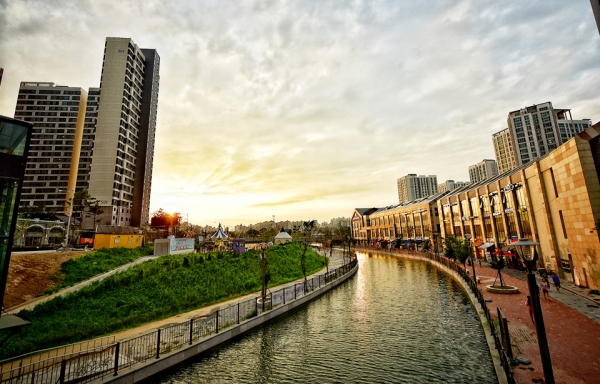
column 484, row 323
column 168, row 360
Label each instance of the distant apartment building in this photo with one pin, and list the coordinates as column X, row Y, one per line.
column 121, row 171
column 53, row 164
column 533, row 132
column 411, row 187
column 450, row 185
column 340, row 222
column 483, row 170
column 505, row 153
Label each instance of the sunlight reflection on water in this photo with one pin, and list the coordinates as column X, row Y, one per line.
column 396, row 320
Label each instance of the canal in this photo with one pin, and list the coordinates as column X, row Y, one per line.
column 396, row 321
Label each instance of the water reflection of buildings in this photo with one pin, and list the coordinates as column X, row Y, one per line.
column 554, row 200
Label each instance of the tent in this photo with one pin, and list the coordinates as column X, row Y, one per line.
column 220, row 238
column 283, row 237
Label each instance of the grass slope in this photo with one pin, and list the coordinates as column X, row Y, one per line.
column 151, row 291
column 95, row 263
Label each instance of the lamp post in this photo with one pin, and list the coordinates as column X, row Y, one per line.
column 263, row 268
column 529, row 256
column 468, row 238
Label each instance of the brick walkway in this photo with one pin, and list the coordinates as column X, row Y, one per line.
column 574, row 338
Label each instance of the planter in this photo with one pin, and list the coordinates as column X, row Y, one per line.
column 506, row 290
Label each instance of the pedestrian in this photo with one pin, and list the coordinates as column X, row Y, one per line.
column 530, row 308
column 556, row 281
column 480, row 262
column 545, row 288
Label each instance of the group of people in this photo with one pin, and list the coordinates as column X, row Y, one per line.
column 545, row 289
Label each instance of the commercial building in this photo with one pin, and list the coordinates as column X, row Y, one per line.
column 450, row 185
column 15, row 137
column 121, row 171
column 413, row 220
column 361, row 225
column 483, row 170
column 533, row 132
column 58, row 115
column 412, row 187
column 554, row 200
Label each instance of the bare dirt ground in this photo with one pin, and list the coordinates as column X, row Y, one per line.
column 30, row 274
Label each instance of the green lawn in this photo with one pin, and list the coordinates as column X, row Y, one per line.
column 153, row 290
column 95, row 263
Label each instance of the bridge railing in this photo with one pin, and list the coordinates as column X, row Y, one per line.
column 107, row 360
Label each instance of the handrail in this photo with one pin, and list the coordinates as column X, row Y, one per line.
column 109, row 359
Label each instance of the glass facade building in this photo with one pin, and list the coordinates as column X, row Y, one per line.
column 14, row 143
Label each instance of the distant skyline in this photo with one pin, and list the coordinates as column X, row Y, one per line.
column 306, row 110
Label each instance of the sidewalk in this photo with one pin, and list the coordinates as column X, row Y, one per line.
column 29, row 305
column 573, row 335
column 336, row 261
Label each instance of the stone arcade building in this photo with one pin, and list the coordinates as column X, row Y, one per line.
column 554, row 200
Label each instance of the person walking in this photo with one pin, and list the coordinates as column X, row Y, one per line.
column 545, row 288
column 556, row 281
column 530, row 308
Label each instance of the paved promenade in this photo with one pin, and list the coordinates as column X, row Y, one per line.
column 572, row 326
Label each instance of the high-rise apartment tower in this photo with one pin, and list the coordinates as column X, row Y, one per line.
column 53, row 170
column 533, row 132
column 411, row 187
column 121, row 171
column 451, row 185
column 483, row 170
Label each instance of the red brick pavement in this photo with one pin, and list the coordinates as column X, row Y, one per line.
column 573, row 338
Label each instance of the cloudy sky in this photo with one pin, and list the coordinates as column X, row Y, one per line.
column 307, row 109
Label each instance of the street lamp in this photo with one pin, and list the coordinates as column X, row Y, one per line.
column 529, row 256
column 468, row 238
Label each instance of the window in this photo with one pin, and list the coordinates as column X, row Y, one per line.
column 562, row 223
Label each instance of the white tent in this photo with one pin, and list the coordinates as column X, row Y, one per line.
column 283, row 237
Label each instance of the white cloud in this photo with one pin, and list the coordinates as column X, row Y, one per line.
column 309, row 109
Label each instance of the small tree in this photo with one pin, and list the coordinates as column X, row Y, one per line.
column 461, row 251
column 450, row 246
column 21, row 229
column 94, row 209
column 307, row 233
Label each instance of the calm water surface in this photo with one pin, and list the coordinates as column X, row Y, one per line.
column 395, row 321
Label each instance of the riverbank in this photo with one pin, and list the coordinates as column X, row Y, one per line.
column 137, row 358
column 573, row 338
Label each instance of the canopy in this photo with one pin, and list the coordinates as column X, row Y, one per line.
column 219, row 234
column 477, row 243
column 486, row 245
column 283, row 235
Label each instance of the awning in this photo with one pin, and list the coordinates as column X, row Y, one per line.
column 477, row 243
column 486, row 245
column 507, row 248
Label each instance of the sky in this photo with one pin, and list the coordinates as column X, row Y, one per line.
column 309, row 109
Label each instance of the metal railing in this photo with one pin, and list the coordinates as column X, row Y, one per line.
column 107, row 360
column 450, row 264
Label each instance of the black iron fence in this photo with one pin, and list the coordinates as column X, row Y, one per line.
column 107, row 360
column 450, row 264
